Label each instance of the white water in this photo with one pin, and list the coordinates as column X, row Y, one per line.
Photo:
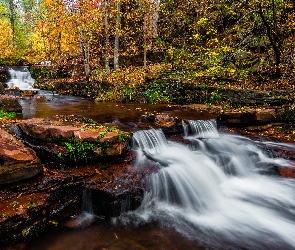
column 219, row 191
column 21, row 78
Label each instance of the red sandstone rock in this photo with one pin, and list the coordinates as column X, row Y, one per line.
column 106, row 143
column 39, row 129
column 17, row 162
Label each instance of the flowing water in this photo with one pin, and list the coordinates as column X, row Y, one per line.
column 217, row 191
column 21, row 78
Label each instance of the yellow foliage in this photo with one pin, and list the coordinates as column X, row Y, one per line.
column 6, row 48
column 203, row 22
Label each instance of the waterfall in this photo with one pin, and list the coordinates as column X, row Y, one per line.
column 87, row 201
column 21, row 78
column 204, row 128
column 219, row 191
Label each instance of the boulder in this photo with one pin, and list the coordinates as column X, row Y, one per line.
column 70, row 139
column 250, row 116
column 2, row 88
column 10, row 103
column 17, row 162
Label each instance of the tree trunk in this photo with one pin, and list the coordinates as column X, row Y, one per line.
column 274, row 40
column 86, row 61
column 12, row 20
column 107, row 37
column 118, row 24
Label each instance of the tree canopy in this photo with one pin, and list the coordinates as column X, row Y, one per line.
column 221, row 41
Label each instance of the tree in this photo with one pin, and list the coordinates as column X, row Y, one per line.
column 118, row 25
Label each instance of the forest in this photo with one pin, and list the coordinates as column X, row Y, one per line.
column 245, row 44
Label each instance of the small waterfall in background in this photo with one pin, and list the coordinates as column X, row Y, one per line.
column 218, row 190
column 21, row 78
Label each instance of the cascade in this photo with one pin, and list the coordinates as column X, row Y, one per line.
column 87, row 216
column 203, row 128
column 21, row 78
column 219, row 190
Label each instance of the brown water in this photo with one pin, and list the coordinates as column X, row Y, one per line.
column 44, row 104
column 103, row 236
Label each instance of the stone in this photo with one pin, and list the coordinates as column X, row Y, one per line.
column 2, row 88
column 163, row 120
column 10, row 103
column 37, row 128
column 68, row 139
column 266, row 115
column 17, row 162
column 250, row 116
column 29, row 92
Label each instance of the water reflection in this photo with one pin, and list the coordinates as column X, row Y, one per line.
column 46, row 104
column 103, row 236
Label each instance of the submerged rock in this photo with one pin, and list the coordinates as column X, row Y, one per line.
column 17, row 162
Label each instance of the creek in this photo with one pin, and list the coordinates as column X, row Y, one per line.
column 215, row 191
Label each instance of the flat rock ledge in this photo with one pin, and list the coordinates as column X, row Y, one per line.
column 252, row 116
column 17, row 162
column 72, row 139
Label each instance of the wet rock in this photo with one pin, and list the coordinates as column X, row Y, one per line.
column 204, row 108
column 29, row 92
column 69, row 139
column 10, row 103
column 17, row 162
column 4, row 75
column 30, row 207
column 2, row 88
column 250, row 116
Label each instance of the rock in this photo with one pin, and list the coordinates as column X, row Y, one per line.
column 28, row 208
column 17, row 162
column 265, row 115
column 162, row 120
column 39, row 129
column 29, row 92
column 2, row 88
column 250, row 116
column 10, row 103
column 4, row 75
column 204, row 108
column 68, row 139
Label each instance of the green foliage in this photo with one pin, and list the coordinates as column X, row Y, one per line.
column 214, row 97
column 7, row 115
column 41, row 72
column 79, row 149
column 123, row 137
column 156, row 93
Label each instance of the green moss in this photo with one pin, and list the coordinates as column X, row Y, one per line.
column 6, row 115
column 79, row 150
